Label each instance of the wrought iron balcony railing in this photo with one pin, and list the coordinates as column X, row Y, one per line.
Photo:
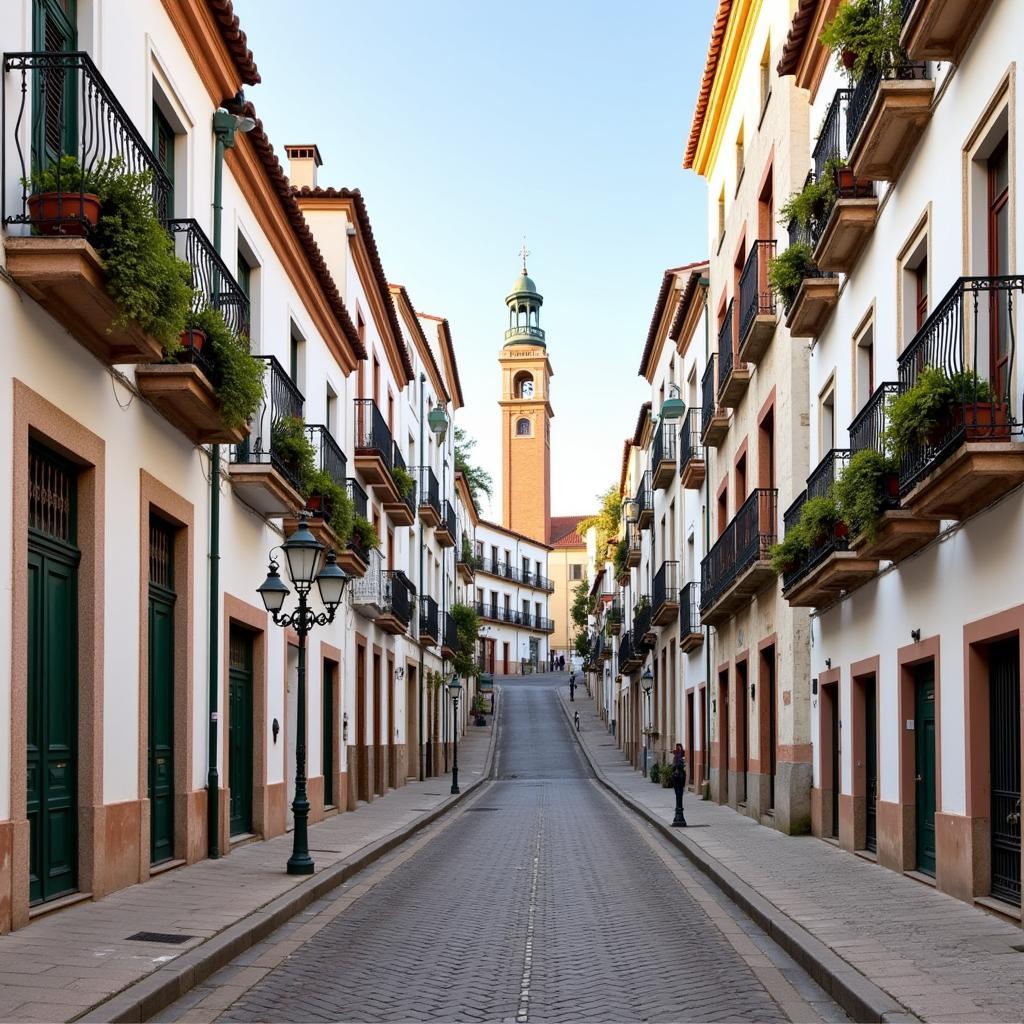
column 282, row 402
column 746, row 540
column 642, row 624
column 372, row 433
column 689, row 609
column 510, row 572
column 726, row 334
column 868, row 426
column 665, row 589
column 449, row 632
column 626, row 653
column 360, row 505
column 430, row 492
column 690, row 447
column 664, row 447
column 448, row 519
column 215, row 285
column 398, row 463
column 429, row 620
column 329, row 458
column 709, row 394
column 528, row 620
column 831, row 143
column 756, row 295
column 61, row 111
column 644, row 496
column 398, row 594
column 980, row 308
column 865, row 90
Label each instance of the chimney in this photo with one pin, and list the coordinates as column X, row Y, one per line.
column 302, row 164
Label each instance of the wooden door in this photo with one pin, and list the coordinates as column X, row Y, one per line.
column 161, row 692
column 362, row 749
column 378, row 749
column 52, row 706
column 54, row 88
column 328, row 728
column 924, row 733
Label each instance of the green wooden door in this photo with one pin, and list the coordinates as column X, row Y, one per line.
column 871, row 764
column 163, row 149
column 55, row 120
column 52, row 712
column 924, row 732
column 161, row 692
column 240, row 772
column 327, row 686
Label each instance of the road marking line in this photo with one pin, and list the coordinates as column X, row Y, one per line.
column 523, row 1013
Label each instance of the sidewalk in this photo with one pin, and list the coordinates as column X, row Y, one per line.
column 936, row 956
column 59, row 967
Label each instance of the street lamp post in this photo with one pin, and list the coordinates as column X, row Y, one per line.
column 302, row 552
column 647, row 681
column 454, row 689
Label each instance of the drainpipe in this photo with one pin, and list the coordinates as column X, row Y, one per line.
column 422, row 752
column 225, row 126
column 705, row 283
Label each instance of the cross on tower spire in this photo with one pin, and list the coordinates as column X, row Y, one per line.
column 524, row 252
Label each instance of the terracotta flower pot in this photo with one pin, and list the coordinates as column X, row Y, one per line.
column 314, row 503
column 891, row 483
column 849, row 59
column 64, row 213
column 841, row 530
column 984, row 421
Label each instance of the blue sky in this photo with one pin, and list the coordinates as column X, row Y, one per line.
column 466, row 126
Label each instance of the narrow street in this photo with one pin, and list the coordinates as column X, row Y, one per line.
column 539, row 900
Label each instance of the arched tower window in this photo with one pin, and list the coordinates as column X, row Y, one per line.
column 522, row 385
column 523, row 427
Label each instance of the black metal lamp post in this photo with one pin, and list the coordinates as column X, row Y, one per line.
column 647, row 681
column 454, row 691
column 302, row 552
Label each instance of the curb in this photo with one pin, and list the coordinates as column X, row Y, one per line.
column 858, row 996
column 148, row 996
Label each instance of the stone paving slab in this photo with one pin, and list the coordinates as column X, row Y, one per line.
column 60, row 967
column 940, row 958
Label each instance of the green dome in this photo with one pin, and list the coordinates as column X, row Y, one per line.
column 524, row 284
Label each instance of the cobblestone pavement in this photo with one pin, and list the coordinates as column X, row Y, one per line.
column 540, row 900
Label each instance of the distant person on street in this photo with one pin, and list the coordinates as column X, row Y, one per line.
column 576, row 720
column 561, row 663
column 572, row 686
column 679, row 784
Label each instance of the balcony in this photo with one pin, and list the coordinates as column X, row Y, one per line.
column 384, row 596
column 691, row 636
column 466, row 562
column 940, row 29
column 355, row 558
column 61, row 106
column 644, row 637
column 713, row 418
column 329, row 459
column 737, row 567
column 613, row 617
column 663, row 455
column 733, row 376
column 449, row 635
column 525, row 620
column 758, row 316
column 509, row 572
column 665, row 594
column 629, row 659
column 828, row 568
column 644, row 502
column 887, row 115
column 401, row 510
column 691, row 451
column 974, row 455
column 818, row 295
column 430, row 624
column 446, row 531
column 262, row 477
column 430, row 498
column 634, row 548
column 374, row 450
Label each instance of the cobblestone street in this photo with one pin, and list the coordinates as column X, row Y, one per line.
column 539, row 900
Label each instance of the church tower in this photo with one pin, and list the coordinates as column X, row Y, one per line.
column 525, row 414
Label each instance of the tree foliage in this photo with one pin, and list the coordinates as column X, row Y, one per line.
column 478, row 480
column 580, row 602
column 606, row 520
column 467, row 628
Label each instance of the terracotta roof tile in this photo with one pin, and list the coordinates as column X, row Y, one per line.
column 223, row 14
column 796, row 39
column 659, row 311
column 685, row 299
column 710, row 68
column 366, row 230
column 641, row 422
column 279, row 180
column 418, row 328
column 562, row 532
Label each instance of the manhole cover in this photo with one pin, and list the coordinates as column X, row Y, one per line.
column 172, row 940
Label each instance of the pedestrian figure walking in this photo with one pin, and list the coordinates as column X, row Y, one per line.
column 561, row 663
column 679, row 784
column 572, row 687
column 576, row 720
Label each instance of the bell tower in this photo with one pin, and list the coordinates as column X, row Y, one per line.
column 525, row 414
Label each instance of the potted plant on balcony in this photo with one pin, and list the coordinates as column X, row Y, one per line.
column 787, row 554
column 404, row 481
column 290, row 443
column 327, row 499
column 145, row 279
column 820, row 518
column 786, row 272
column 864, row 487
column 365, row 533
column 865, row 34
column 64, row 198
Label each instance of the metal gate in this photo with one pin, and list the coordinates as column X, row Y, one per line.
column 1004, row 725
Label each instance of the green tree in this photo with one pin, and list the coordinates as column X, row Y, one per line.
column 580, row 603
column 467, row 628
column 606, row 520
column 478, row 480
